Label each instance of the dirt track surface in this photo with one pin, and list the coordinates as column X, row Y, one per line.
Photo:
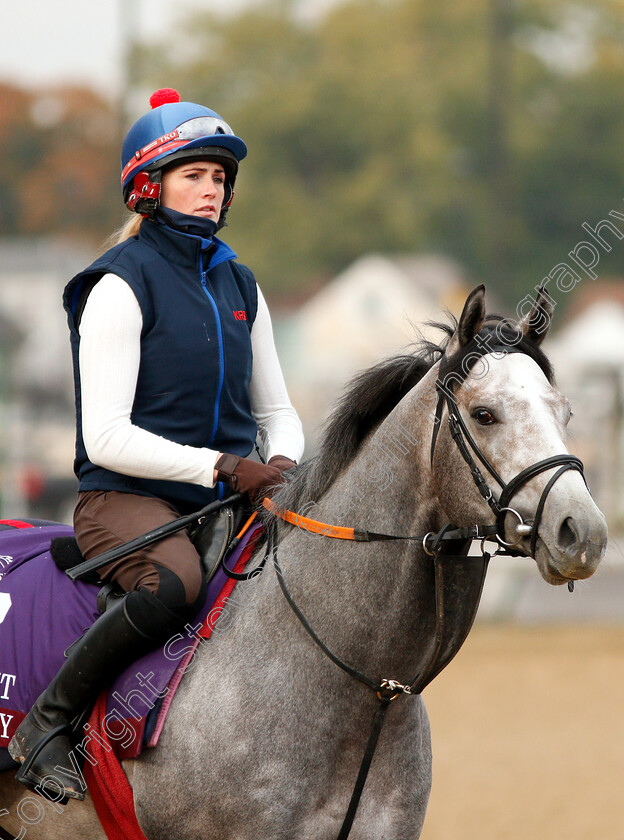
column 528, row 736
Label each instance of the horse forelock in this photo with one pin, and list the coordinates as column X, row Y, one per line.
column 373, row 393
column 497, row 334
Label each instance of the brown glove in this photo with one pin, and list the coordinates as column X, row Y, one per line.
column 247, row 476
column 282, row 463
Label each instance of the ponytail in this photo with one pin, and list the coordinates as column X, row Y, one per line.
column 127, row 230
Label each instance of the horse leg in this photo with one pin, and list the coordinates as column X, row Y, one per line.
column 26, row 815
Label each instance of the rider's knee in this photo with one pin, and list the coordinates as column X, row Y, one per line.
column 182, row 591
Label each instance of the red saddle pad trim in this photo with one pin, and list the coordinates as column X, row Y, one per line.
column 107, row 782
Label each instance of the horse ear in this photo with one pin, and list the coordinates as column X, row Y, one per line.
column 470, row 321
column 536, row 324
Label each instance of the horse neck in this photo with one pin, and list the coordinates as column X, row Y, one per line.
column 374, row 601
column 388, row 484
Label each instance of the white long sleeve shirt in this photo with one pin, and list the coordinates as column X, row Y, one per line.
column 109, row 359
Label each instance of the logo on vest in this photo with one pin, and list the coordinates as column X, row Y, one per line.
column 239, row 314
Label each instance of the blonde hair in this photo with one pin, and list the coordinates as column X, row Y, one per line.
column 127, row 230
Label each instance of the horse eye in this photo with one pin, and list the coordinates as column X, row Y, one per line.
column 483, row 417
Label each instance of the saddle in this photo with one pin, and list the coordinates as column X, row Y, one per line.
column 211, row 539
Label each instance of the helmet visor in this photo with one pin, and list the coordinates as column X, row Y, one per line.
column 202, row 127
column 194, row 132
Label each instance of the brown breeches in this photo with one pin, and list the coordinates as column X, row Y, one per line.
column 103, row 520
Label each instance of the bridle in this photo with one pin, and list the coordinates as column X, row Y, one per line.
column 433, row 543
column 439, row 547
column 501, row 506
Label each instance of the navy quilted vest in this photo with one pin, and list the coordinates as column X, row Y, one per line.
column 198, row 309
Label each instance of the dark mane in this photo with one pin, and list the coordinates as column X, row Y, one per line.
column 366, row 400
column 372, row 394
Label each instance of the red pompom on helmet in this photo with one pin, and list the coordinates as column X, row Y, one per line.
column 164, row 96
column 175, row 131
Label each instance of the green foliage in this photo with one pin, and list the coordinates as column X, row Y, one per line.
column 58, row 163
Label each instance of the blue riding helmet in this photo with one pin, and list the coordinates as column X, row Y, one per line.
column 173, row 132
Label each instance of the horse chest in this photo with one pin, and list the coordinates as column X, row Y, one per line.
column 287, row 768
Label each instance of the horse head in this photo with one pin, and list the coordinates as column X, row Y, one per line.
column 501, row 423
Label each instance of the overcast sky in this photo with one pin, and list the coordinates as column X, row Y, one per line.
column 49, row 41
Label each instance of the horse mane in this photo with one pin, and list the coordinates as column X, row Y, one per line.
column 373, row 393
column 366, row 401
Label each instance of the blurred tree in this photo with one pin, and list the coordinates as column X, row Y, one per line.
column 489, row 130
column 486, row 129
column 58, row 163
column 568, row 129
column 12, row 126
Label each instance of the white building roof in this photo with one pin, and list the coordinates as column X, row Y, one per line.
column 595, row 338
column 33, row 274
column 377, row 307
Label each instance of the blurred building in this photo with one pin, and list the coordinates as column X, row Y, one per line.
column 36, row 396
column 588, row 354
column 378, row 306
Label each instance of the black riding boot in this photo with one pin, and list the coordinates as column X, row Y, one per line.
column 123, row 634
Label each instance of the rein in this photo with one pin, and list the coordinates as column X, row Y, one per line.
column 340, row 532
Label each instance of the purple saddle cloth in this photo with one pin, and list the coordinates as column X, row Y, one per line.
column 42, row 612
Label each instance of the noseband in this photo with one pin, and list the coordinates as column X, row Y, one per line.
column 501, row 506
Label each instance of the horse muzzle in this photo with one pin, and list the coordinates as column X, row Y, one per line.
column 572, row 546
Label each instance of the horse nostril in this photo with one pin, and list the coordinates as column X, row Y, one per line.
column 568, row 538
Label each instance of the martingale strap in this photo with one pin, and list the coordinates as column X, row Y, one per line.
column 337, row 532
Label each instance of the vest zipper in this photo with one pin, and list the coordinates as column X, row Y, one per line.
column 215, row 310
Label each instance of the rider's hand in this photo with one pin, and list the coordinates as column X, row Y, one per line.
column 247, row 476
column 282, row 463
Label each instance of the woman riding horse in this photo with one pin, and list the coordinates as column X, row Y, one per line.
column 175, row 371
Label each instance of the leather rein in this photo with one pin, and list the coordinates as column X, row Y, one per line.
column 433, row 545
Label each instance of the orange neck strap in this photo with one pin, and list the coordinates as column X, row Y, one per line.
column 312, row 525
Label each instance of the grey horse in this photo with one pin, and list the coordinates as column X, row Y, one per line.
column 265, row 735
